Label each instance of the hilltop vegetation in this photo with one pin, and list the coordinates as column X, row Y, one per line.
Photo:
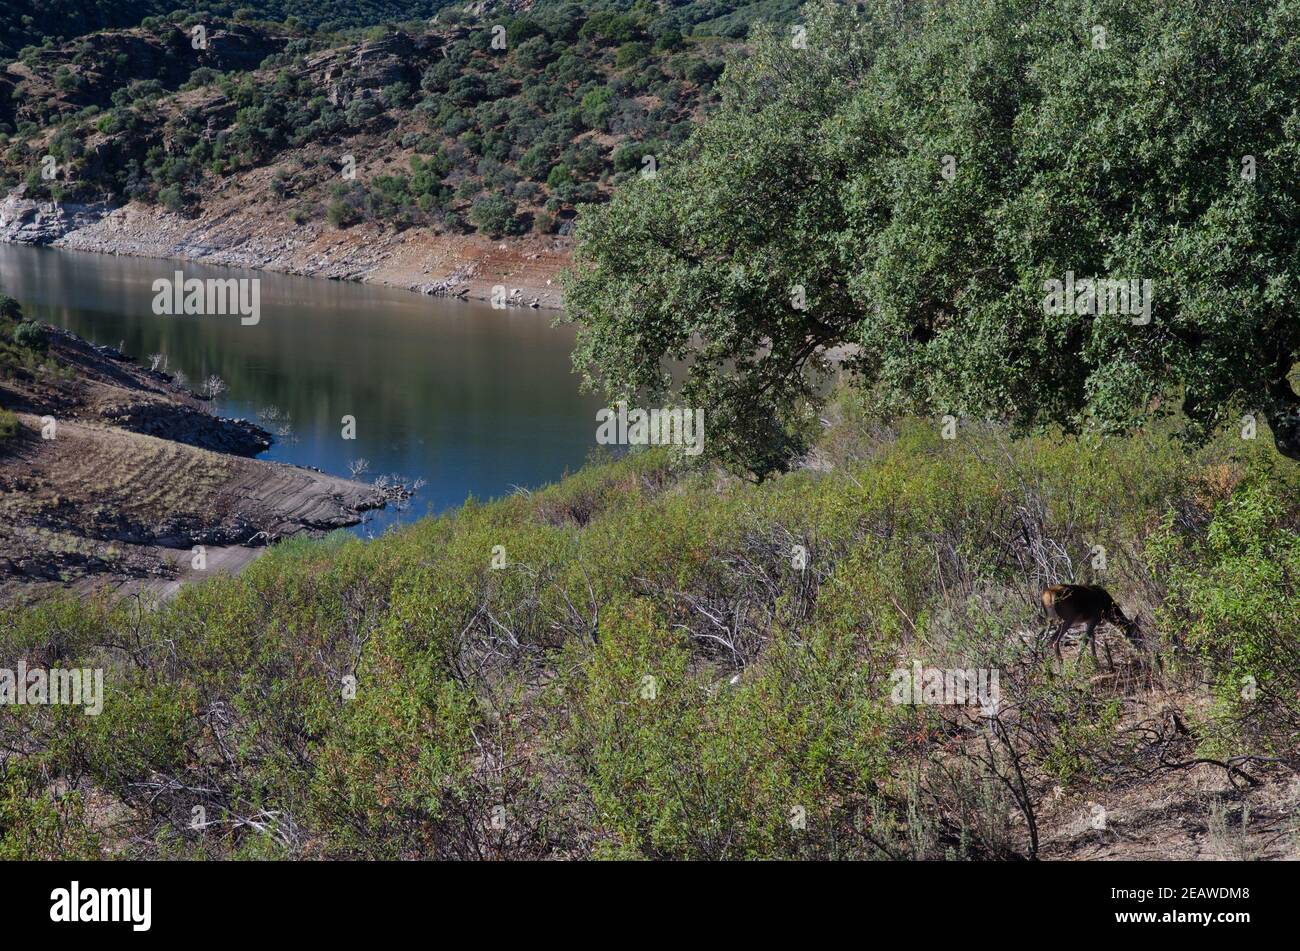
column 26, row 23
column 379, row 113
column 444, row 130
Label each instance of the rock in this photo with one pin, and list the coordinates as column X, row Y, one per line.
column 374, row 65
column 181, row 424
column 24, row 221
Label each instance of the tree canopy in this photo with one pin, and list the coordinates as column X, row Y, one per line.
column 910, row 179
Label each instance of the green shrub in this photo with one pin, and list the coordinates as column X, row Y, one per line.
column 172, row 198
column 31, row 335
column 631, row 54
column 1232, row 596
column 649, row 674
column 559, row 176
column 494, row 214
column 340, row 214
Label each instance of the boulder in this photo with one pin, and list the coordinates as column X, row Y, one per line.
column 24, row 221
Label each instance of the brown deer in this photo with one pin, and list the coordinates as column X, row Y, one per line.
column 1090, row 604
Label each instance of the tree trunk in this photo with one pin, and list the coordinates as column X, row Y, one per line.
column 1284, row 419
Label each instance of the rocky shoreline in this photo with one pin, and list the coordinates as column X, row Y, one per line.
column 470, row 267
column 135, row 476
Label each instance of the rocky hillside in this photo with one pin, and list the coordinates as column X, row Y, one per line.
column 50, row 84
column 651, row 675
column 412, row 156
column 28, row 23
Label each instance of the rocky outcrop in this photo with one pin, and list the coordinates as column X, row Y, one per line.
column 137, row 474
column 182, row 424
column 23, row 221
column 109, row 387
column 227, row 233
column 99, row 64
column 345, row 75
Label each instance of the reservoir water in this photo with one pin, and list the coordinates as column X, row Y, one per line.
column 475, row 401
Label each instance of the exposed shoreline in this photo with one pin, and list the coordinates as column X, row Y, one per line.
column 469, row 267
column 136, row 476
column 116, row 413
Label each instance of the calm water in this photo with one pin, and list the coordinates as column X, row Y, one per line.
column 473, row 400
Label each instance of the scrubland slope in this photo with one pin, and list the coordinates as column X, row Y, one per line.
column 650, row 674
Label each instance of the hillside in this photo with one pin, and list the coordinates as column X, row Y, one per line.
column 826, row 637
column 274, row 148
column 656, row 671
column 27, row 23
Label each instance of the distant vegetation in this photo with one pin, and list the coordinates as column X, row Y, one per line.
column 505, row 141
column 22, row 342
column 22, row 351
column 38, row 22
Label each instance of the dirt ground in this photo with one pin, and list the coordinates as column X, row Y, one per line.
column 231, row 233
column 1189, row 815
column 101, row 502
column 1195, row 813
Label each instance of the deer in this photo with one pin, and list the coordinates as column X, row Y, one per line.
column 1090, row 604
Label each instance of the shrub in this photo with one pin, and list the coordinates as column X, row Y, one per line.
column 494, row 214
column 172, row 198
column 596, row 107
column 396, row 95
column 669, row 41
column 559, row 176
column 1233, row 592
column 31, row 335
column 631, row 54
column 340, row 214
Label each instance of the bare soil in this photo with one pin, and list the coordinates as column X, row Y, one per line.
column 231, row 233
column 99, row 503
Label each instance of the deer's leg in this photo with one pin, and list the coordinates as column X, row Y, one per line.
column 1129, row 630
column 1056, row 638
column 1090, row 637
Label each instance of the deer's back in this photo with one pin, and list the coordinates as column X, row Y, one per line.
column 1068, row 602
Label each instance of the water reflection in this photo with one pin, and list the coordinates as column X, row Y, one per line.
column 472, row 400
